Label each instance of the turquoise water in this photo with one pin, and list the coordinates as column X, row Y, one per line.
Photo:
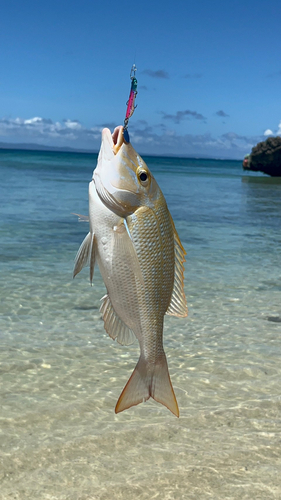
column 61, row 375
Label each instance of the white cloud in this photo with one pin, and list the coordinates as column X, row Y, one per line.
column 268, row 131
column 44, row 131
column 34, row 120
column 73, row 124
column 229, row 145
column 159, row 139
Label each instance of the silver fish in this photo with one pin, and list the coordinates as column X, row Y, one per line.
column 133, row 240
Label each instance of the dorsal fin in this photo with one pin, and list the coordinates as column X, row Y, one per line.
column 178, row 306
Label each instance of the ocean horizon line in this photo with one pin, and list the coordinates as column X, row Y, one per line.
column 67, row 149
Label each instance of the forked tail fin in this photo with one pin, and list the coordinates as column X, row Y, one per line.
column 146, row 382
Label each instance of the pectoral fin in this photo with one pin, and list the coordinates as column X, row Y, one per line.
column 82, row 218
column 178, row 306
column 86, row 256
column 113, row 325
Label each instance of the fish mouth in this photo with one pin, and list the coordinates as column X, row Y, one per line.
column 106, row 175
column 112, row 142
column 117, row 138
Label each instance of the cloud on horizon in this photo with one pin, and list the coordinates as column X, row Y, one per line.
column 230, row 145
column 46, row 132
column 147, row 139
column 72, row 124
column 268, row 131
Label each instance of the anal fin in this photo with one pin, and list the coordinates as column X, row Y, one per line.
column 113, row 325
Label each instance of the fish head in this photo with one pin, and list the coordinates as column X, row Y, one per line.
column 122, row 179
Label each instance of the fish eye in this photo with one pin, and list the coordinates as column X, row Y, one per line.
column 143, row 177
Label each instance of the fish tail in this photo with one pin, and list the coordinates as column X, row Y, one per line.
column 146, row 382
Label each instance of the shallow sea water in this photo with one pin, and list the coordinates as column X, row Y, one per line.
column 61, row 375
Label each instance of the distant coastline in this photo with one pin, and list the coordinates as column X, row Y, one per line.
column 67, row 149
column 41, row 147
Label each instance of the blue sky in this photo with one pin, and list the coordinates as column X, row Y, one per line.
column 209, row 73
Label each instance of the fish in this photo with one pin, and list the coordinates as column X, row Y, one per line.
column 133, row 240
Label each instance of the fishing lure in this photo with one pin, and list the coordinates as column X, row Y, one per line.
column 131, row 102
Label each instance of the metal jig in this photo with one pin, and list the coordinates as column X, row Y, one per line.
column 131, row 102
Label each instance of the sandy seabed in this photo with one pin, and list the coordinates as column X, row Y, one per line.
column 60, row 438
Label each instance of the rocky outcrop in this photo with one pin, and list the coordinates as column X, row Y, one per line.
column 265, row 157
